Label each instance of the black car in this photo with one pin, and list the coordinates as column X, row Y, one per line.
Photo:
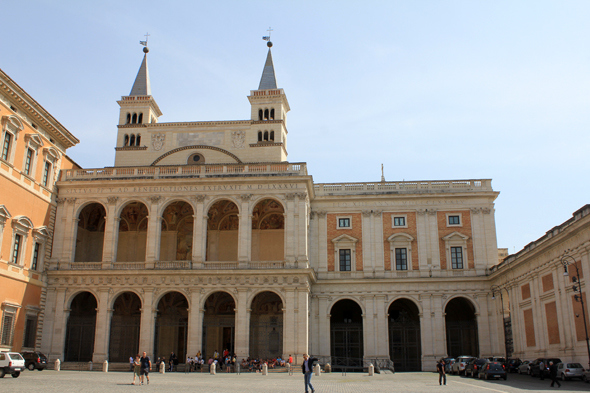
column 474, row 366
column 34, row 360
column 512, row 365
column 536, row 370
column 491, row 370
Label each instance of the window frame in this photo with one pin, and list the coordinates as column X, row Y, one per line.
column 456, row 239
column 405, row 259
column 342, row 253
column 345, row 242
column 448, row 218
column 40, row 236
column 21, row 226
column 52, row 157
column 397, row 216
column 11, row 310
column 11, row 125
column 454, row 250
column 338, row 218
column 400, row 240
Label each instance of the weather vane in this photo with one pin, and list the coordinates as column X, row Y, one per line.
column 144, row 43
column 267, row 37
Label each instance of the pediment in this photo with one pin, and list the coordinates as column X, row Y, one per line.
column 51, row 153
column 41, row 232
column 12, row 123
column 400, row 237
column 4, row 213
column 34, row 139
column 22, row 221
column 345, row 239
column 455, row 236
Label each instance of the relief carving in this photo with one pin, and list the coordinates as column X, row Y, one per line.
column 486, row 210
column 367, row 213
column 245, row 197
column 158, row 141
column 290, row 197
column 155, row 198
column 199, row 198
column 71, row 200
column 112, row 200
column 237, row 139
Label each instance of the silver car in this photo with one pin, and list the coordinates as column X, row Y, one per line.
column 525, row 367
column 570, row 370
column 459, row 366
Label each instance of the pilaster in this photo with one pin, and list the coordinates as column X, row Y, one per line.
column 303, row 231
column 379, row 244
column 148, row 323
column 244, row 230
column 433, row 242
column 71, row 229
column 368, row 248
column 109, row 248
column 424, row 257
column 324, row 326
column 153, row 232
column 322, row 241
column 195, row 323
column 59, row 325
column 103, row 327
column 290, row 228
column 289, row 323
column 302, row 320
column 199, row 230
column 242, row 345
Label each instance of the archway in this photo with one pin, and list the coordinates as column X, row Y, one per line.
column 132, row 239
column 125, row 327
column 461, row 324
column 90, row 235
column 222, row 231
column 404, row 335
column 171, row 326
column 268, row 231
column 346, row 334
column 176, row 242
column 79, row 345
column 219, row 321
column 266, row 326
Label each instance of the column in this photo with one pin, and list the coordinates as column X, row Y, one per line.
column 302, row 233
column 244, row 231
column 381, row 327
column 154, row 229
column 71, row 231
column 289, row 323
column 242, row 345
column 427, row 330
column 369, row 328
column 59, row 325
column 59, row 230
column 322, row 241
column 302, row 320
column 111, row 230
column 324, row 326
column 103, row 327
column 195, row 323
column 148, row 322
column 438, row 332
column 290, row 229
column 199, row 230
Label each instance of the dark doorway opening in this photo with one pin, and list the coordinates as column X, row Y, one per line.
column 125, row 327
column 79, row 346
column 461, row 325
column 405, row 348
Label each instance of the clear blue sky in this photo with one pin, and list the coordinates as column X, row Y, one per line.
column 431, row 89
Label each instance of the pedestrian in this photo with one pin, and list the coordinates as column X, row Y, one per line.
column 131, row 363
column 553, row 374
column 146, row 366
column 290, row 361
column 307, row 368
column 442, row 376
column 541, row 370
column 136, row 369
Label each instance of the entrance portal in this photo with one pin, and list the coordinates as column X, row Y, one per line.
column 219, row 321
column 80, row 328
column 346, row 334
column 404, row 336
column 125, row 327
column 171, row 326
column 266, row 326
column 462, row 336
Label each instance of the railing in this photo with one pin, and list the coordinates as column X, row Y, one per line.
column 403, row 186
column 83, row 266
column 169, row 265
column 266, row 265
column 220, row 265
column 173, row 264
column 156, row 172
column 128, row 265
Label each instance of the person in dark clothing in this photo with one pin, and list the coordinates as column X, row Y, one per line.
column 442, row 376
column 307, row 368
column 553, row 374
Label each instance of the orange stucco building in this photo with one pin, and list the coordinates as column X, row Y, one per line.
column 33, row 148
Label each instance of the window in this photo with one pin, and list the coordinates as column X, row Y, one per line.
column 454, row 220
column 401, row 259
column 35, row 261
column 399, row 221
column 16, row 249
column 30, row 332
column 28, row 161
column 345, row 265
column 46, row 173
column 343, row 222
column 6, row 146
column 457, row 257
column 7, row 327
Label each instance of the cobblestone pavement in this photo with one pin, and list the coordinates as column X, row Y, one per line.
column 75, row 381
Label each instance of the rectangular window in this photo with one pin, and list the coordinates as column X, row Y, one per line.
column 46, row 173
column 7, row 324
column 35, row 256
column 454, row 220
column 344, row 223
column 6, row 146
column 28, row 162
column 16, row 249
column 344, row 260
column 401, row 259
column 457, row 257
column 30, row 332
column 399, row 221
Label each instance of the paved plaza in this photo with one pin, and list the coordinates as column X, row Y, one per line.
column 75, row 381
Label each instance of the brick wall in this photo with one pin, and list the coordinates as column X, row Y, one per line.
column 356, row 231
column 464, row 229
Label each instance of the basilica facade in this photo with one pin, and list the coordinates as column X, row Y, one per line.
column 203, row 237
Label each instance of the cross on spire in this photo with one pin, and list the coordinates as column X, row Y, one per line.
column 144, row 43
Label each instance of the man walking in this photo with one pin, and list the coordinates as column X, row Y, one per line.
column 553, row 374
column 442, row 376
column 541, row 370
column 146, row 366
column 307, row 368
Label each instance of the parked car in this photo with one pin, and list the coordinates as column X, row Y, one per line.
column 586, row 376
column 535, row 370
column 512, row 365
column 474, row 366
column 570, row 370
column 500, row 359
column 525, row 367
column 460, row 363
column 11, row 363
column 34, row 360
column 448, row 364
column 492, row 369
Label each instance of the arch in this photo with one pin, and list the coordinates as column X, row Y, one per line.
column 219, row 321
column 223, row 221
column 261, row 290
column 259, row 136
column 176, row 235
column 126, row 140
column 132, row 232
column 134, row 118
column 346, row 334
column 265, row 136
column 461, row 327
column 80, row 328
column 266, row 325
column 125, row 326
column 268, row 231
column 272, row 136
column 138, row 140
column 266, row 114
column 140, row 118
column 218, row 149
column 171, row 325
column 260, row 115
column 272, row 113
column 128, row 120
column 405, row 348
column 90, row 234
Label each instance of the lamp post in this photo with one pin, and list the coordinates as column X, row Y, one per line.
column 496, row 288
column 567, row 260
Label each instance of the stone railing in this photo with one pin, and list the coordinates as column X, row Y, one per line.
column 168, row 265
column 158, row 172
column 403, row 186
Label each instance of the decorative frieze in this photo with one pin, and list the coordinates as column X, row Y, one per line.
column 112, row 200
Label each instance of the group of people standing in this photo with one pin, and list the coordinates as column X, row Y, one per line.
column 141, row 367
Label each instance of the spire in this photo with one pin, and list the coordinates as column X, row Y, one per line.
column 268, row 80
column 141, row 86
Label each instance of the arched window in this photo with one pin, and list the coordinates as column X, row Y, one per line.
column 272, row 114
column 259, row 136
column 272, row 136
column 132, row 140
column 266, row 135
column 126, row 142
column 134, row 119
column 266, row 114
column 138, row 140
column 128, row 118
column 260, row 114
column 140, row 120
